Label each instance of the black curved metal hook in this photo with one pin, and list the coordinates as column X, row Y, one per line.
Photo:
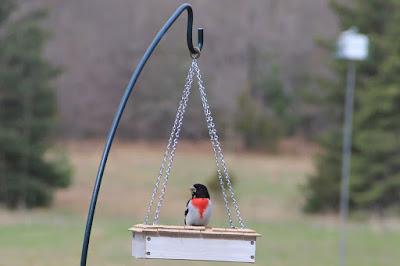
column 189, row 30
column 194, row 51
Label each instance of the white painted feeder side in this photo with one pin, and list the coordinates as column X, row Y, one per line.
column 194, row 243
column 138, row 245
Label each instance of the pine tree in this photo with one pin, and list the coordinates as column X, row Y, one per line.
column 375, row 162
column 29, row 171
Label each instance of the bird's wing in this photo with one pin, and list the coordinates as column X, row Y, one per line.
column 186, row 211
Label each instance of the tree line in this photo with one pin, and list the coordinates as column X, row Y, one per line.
column 268, row 106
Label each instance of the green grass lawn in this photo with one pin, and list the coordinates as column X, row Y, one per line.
column 268, row 199
column 55, row 238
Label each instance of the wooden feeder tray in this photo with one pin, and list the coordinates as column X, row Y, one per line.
column 193, row 243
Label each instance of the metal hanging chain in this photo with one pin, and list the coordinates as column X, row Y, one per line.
column 217, row 149
column 172, row 139
column 185, row 98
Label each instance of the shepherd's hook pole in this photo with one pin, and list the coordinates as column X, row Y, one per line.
column 194, row 51
column 344, row 198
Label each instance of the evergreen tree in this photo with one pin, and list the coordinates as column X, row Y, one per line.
column 29, row 170
column 375, row 162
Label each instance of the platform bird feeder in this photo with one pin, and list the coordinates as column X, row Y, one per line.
column 180, row 242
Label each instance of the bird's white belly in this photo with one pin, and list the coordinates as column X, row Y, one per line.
column 193, row 217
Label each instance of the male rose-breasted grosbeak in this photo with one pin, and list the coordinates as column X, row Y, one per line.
column 198, row 208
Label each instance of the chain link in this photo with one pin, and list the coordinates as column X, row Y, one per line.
column 185, row 99
column 217, row 149
column 211, row 129
column 173, row 138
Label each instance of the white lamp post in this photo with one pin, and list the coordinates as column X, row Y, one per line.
column 350, row 46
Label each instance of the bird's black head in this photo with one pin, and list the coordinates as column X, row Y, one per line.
column 199, row 191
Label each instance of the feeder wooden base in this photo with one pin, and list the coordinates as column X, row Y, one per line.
column 193, row 243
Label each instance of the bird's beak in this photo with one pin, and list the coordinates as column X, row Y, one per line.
column 192, row 189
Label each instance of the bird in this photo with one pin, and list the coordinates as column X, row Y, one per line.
column 198, row 209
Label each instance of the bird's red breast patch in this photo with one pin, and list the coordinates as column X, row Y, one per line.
column 201, row 204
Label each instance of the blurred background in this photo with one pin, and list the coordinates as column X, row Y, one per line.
column 277, row 95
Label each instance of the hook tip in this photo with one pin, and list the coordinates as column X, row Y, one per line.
column 200, row 32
